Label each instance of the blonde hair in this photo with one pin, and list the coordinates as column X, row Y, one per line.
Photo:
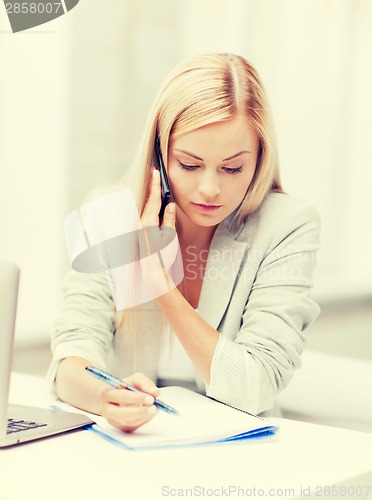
column 202, row 90
column 206, row 89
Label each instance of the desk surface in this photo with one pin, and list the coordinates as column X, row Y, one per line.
column 83, row 465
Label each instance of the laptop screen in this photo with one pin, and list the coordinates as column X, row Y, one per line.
column 9, row 280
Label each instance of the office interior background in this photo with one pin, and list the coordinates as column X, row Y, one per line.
column 74, row 96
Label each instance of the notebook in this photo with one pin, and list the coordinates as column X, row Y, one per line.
column 202, row 421
column 19, row 424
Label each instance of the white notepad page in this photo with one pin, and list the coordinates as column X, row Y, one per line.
column 201, row 420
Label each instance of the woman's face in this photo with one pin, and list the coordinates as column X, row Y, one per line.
column 210, row 170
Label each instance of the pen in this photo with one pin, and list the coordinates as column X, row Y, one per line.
column 120, row 384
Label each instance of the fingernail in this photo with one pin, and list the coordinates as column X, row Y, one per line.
column 149, row 400
column 151, row 410
column 171, row 208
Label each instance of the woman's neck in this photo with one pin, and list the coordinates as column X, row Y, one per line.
column 193, row 234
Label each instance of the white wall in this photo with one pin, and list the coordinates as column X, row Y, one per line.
column 314, row 57
column 74, row 96
column 34, row 165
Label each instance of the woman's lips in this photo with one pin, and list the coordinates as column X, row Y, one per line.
column 207, row 208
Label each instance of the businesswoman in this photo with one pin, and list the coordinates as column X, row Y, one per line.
column 234, row 327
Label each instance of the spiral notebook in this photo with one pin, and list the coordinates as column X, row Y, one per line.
column 202, row 421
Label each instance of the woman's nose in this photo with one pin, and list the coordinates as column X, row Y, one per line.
column 209, row 186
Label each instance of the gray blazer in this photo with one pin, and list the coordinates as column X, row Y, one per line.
column 255, row 293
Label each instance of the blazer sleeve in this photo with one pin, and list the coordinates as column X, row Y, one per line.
column 85, row 325
column 250, row 370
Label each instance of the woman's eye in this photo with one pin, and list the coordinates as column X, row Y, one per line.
column 228, row 170
column 235, row 170
column 187, row 167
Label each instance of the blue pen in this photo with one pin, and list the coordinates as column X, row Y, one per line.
column 120, row 384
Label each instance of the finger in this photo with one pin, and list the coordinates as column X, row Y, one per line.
column 128, row 418
column 150, row 216
column 124, row 397
column 169, row 219
column 143, row 383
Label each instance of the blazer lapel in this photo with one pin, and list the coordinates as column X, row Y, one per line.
column 224, row 261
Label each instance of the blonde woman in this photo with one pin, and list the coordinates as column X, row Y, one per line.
column 234, row 328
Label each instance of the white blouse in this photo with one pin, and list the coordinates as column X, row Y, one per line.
column 174, row 362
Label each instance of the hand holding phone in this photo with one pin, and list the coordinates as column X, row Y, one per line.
column 165, row 186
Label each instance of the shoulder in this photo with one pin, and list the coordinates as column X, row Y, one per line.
column 278, row 206
column 278, row 216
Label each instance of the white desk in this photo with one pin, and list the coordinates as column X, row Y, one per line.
column 82, row 465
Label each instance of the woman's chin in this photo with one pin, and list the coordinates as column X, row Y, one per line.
column 204, row 221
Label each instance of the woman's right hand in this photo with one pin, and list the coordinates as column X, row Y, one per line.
column 128, row 410
column 160, row 254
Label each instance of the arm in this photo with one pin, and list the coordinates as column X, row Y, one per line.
column 250, row 370
column 266, row 348
column 85, row 324
column 75, row 386
column 198, row 338
column 82, row 336
column 123, row 409
column 248, row 367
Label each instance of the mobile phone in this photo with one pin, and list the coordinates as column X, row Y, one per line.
column 165, row 186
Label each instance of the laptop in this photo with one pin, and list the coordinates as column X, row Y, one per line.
column 18, row 423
